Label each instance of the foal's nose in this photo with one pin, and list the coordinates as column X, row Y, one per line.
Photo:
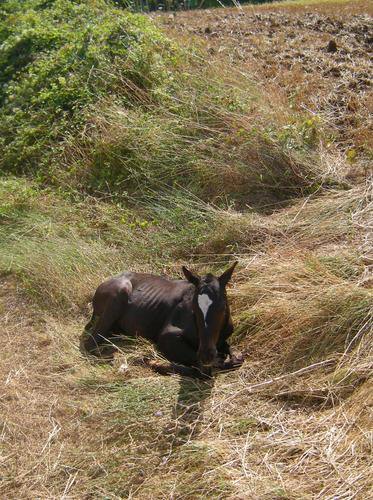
column 207, row 356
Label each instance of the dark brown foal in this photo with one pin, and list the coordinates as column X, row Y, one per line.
column 188, row 320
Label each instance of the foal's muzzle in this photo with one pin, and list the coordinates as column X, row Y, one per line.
column 207, row 356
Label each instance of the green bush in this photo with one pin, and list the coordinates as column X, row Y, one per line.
column 56, row 58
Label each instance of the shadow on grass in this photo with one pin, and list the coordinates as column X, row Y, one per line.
column 189, row 408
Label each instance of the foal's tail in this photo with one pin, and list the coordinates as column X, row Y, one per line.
column 175, row 369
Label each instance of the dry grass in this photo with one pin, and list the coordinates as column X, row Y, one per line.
column 296, row 426
column 293, row 422
column 88, row 431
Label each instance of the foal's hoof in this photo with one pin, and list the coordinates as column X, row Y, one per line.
column 89, row 347
column 232, row 362
column 206, row 372
column 237, row 360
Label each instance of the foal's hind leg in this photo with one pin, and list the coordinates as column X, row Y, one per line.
column 112, row 312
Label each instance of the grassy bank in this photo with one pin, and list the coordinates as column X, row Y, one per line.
column 124, row 148
column 118, row 107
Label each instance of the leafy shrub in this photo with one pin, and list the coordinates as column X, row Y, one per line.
column 56, row 58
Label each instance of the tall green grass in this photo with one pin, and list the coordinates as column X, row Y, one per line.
column 96, row 99
column 61, row 248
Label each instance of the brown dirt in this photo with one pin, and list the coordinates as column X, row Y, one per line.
column 318, row 56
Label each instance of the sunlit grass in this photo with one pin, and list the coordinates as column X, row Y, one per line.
column 215, row 170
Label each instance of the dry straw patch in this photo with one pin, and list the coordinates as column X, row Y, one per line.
column 293, row 422
column 296, row 426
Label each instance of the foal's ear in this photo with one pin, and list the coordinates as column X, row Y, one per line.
column 193, row 278
column 226, row 276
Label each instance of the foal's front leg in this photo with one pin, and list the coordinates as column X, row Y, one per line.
column 173, row 345
column 227, row 360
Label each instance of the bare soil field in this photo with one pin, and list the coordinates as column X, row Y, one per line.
column 318, row 56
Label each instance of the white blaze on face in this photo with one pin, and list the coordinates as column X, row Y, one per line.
column 204, row 302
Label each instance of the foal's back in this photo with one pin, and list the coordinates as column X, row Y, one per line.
column 146, row 301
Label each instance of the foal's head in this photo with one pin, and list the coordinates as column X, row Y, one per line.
column 210, row 307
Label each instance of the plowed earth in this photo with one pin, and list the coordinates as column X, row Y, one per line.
column 321, row 59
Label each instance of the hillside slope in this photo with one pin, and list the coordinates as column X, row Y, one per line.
column 177, row 154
